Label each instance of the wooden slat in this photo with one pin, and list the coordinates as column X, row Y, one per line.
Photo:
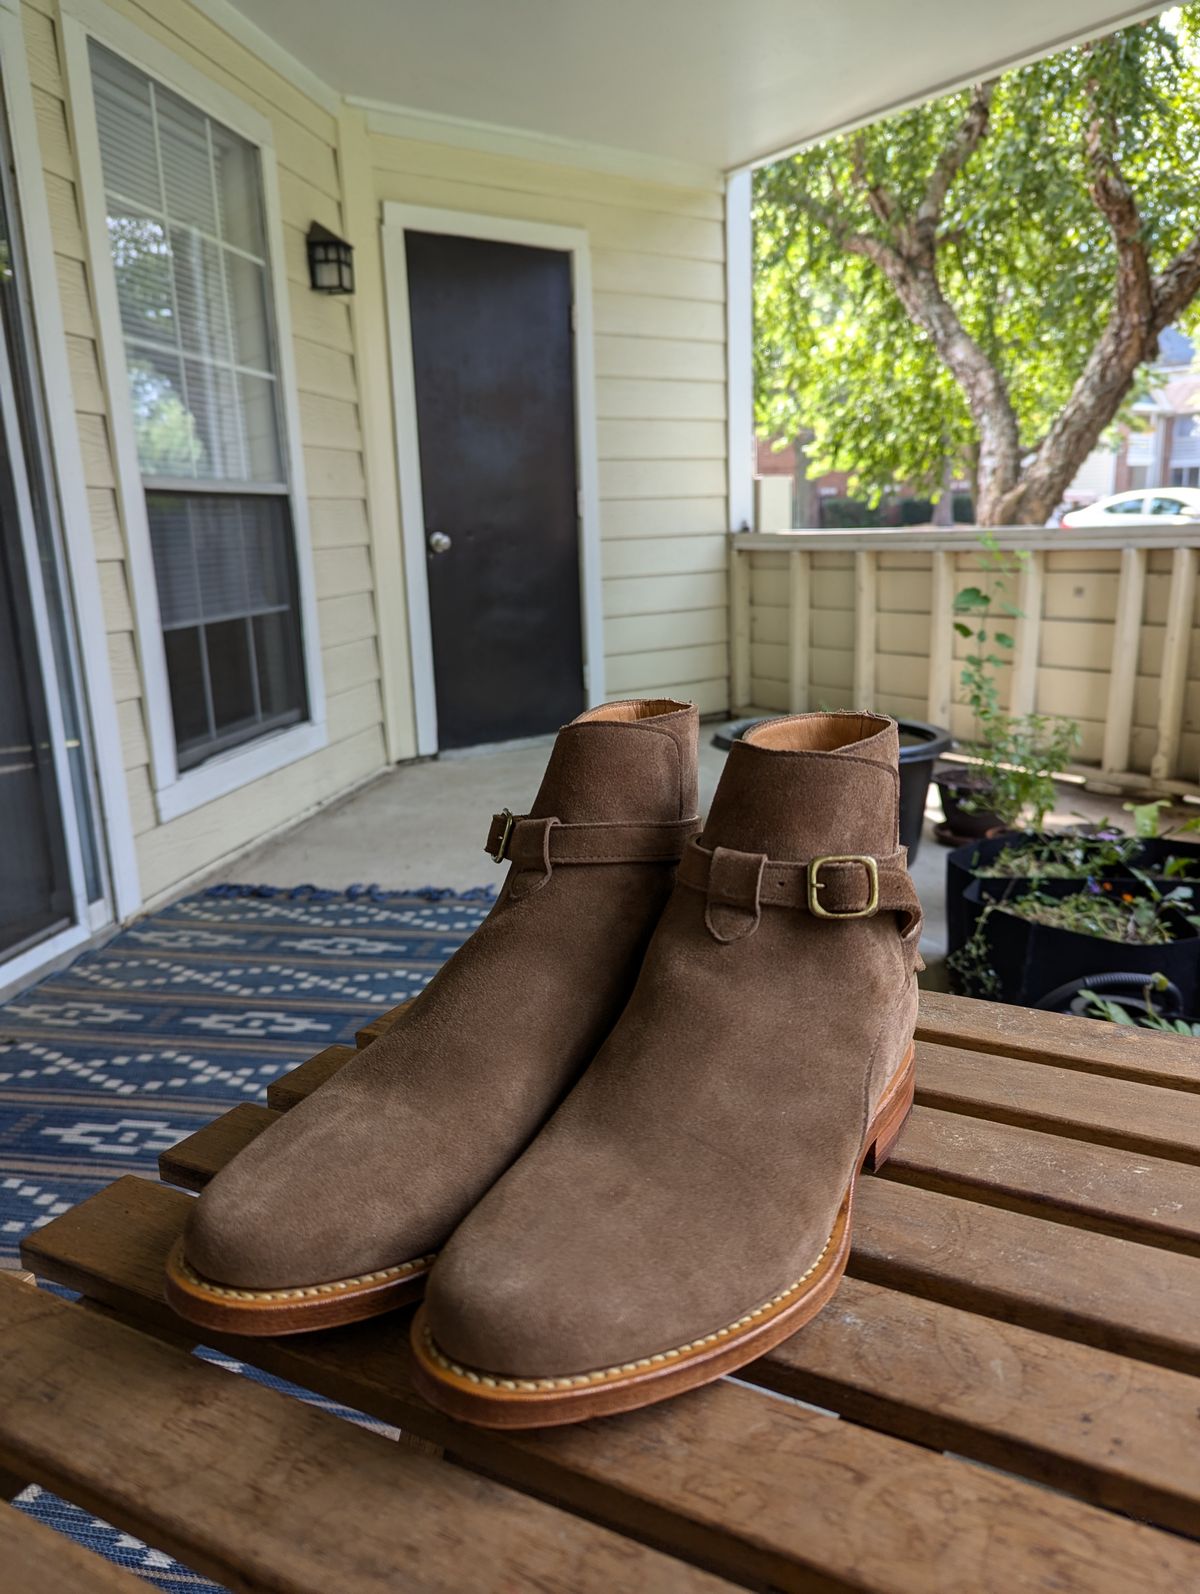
column 1137, row 1300
column 1118, row 1433
column 941, row 638
column 765, row 1491
column 1065, row 1042
column 372, row 1031
column 1097, row 1187
column 1177, row 645
column 1114, row 1112
column 799, row 630
column 739, row 627
column 1118, row 719
column 34, row 1559
column 263, row 1492
column 1022, row 697
column 290, row 1088
column 866, row 606
column 194, row 1161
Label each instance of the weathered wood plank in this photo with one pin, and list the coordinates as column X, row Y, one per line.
column 37, row 1560
column 292, row 1087
column 1119, row 1433
column 1065, row 1042
column 1177, row 643
column 1146, row 1119
column 1118, row 719
column 194, row 1161
column 1048, row 1175
column 763, row 1490
column 265, row 1493
column 1136, row 1300
column 940, row 687
column 377, row 1026
column 739, row 627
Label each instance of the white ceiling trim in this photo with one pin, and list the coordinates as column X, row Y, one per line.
column 270, row 52
column 431, row 127
column 1119, row 19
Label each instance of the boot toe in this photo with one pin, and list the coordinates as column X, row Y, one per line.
column 490, row 1312
column 235, row 1237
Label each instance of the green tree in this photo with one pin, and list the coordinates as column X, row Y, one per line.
column 981, row 281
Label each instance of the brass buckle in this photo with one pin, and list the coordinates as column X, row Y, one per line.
column 507, row 815
column 815, row 883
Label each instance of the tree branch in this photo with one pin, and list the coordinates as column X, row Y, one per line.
column 1143, row 304
column 970, row 134
column 1177, row 284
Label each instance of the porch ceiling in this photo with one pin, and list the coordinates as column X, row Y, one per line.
column 713, row 83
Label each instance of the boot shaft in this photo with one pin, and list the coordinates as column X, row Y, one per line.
column 625, row 762
column 810, row 784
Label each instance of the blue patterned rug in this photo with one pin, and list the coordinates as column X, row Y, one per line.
column 190, row 1011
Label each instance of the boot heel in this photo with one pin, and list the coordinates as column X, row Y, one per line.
column 890, row 1122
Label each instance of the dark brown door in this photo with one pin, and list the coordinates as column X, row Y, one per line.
column 493, row 365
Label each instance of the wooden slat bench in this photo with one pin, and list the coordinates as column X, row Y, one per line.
column 1003, row 1396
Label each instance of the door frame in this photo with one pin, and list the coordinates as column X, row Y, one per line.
column 60, row 455
column 574, row 243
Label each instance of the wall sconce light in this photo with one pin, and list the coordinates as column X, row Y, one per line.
column 330, row 261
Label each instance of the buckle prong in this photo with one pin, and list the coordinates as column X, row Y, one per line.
column 506, row 831
column 815, row 883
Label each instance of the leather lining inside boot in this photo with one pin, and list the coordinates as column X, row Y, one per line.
column 635, row 708
column 816, row 733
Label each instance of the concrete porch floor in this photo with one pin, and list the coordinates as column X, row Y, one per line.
column 424, row 824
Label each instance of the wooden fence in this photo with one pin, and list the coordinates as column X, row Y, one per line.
column 1109, row 633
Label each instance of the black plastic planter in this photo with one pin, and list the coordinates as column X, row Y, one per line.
column 963, row 822
column 921, row 746
column 965, row 863
column 1032, row 960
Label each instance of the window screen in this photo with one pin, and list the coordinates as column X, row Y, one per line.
column 188, row 244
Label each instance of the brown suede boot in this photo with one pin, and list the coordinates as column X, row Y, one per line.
column 335, row 1212
column 689, row 1204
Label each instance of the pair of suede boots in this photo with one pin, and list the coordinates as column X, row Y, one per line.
column 615, row 1140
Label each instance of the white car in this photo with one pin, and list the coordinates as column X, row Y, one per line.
column 1178, row 504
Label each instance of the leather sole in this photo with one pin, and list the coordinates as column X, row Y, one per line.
column 297, row 1310
column 497, row 1400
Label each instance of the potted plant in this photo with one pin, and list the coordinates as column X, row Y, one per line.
column 1101, row 852
column 1033, row 938
column 1015, row 757
column 1041, row 917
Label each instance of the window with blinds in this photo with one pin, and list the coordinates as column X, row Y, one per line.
column 183, row 197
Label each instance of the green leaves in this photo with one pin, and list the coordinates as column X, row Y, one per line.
column 1145, row 816
column 1023, row 256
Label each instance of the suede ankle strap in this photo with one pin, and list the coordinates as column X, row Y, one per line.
column 542, row 844
column 738, row 885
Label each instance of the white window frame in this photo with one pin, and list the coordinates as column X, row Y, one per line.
column 179, row 792
column 574, row 243
column 64, row 462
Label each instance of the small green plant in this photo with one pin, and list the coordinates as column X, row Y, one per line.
column 1017, row 755
column 1065, row 855
column 1117, row 1013
column 1100, row 909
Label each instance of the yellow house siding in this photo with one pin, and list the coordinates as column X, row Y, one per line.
column 659, row 288
column 305, row 137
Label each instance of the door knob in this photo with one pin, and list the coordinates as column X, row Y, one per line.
column 438, row 542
